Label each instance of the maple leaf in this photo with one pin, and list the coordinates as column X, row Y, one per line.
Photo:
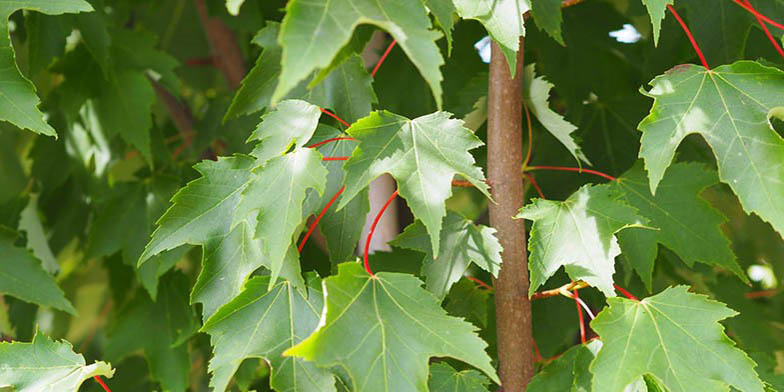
column 160, row 329
column 469, row 300
column 687, row 224
column 536, row 92
column 444, row 378
column 307, row 22
column 461, row 243
column 675, row 337
column 18, row 102
column 402, row 327
column 442, row 12
column 46, row 365
column 23, row 276
column 421, row 154
column 291, row 125
column 548, row 17
column 729, row 107
column 503, row 19
column 578, row 234
column 656, row 9
column 275, row 195
column 262, row 324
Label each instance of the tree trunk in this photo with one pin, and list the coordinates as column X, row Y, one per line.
column 504, row 157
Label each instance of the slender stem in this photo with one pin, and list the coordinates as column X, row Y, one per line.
column 533, row 182
column 103, row 384
column 691, row 37
column 318, row 218
column 624, row 292
column 580, row 316
column 335, row 158
column 527, row 159
column 335, row 116
column 383, row 57
column 373, row 229
column 764, row 27
column 479, row 282
column 224, row 45
column 563, row 290
column 759, row 15
column 571, row 169
column 761, row 294
column 334, row 139
column 504, row 155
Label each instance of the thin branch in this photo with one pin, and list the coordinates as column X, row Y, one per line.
column 224, row 43
column 179, row 113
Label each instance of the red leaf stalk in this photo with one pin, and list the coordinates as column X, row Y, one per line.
column 373, row 229
column 691, row 37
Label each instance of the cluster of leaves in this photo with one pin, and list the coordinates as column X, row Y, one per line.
column 110, row 240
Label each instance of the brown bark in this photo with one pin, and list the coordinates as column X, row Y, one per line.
column 224, row 46
column 178, row 111
column 504, row 157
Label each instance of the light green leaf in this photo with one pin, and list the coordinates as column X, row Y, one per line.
column 45, row 365
column 233, row 6
column 503, row 20
column 159, row 329
column 461, row 242
column 675, row 337
column 729, row 107
column 383, row 329
column 291, row 124
column 444, row 378
column 578, row 234
column 536, row 93
column 204, row 208
column 18, row 102
column 568, row 372
column 548, row 17
column 657, row 9
column 688, row 224
column 262, row 324
column 423, row 155
column 276, row 192
column 307, row 22
column 22, row 276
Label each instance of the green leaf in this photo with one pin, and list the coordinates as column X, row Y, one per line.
column 568, row 372
column 159, row 329
column 442, row 11
column 675, row 337
column 23, row 277
column 657, row 9
column 536, row 92
column 503, row 20
column 461, row 242
column 687, row 224
column 18, row 102
column 137, row 50
column 277, row 191
column 383, row 329
column 125, row 107
column 444, row 378
column 204, row 208
column 307, row 22
column 548, row 17
column 46, row 365
column 262, row 324
column 729, row 107
column 45, row 40
column 291, row 125
column 578, row 234
column 421, row 154
column 233, row 6
column 348, row 90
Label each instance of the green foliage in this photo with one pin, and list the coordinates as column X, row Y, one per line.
column 46, row 365
column 245, row 274
column 676, row 338
column 393, row 349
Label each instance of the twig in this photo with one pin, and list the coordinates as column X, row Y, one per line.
column 179, row 113
column 224, row 43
